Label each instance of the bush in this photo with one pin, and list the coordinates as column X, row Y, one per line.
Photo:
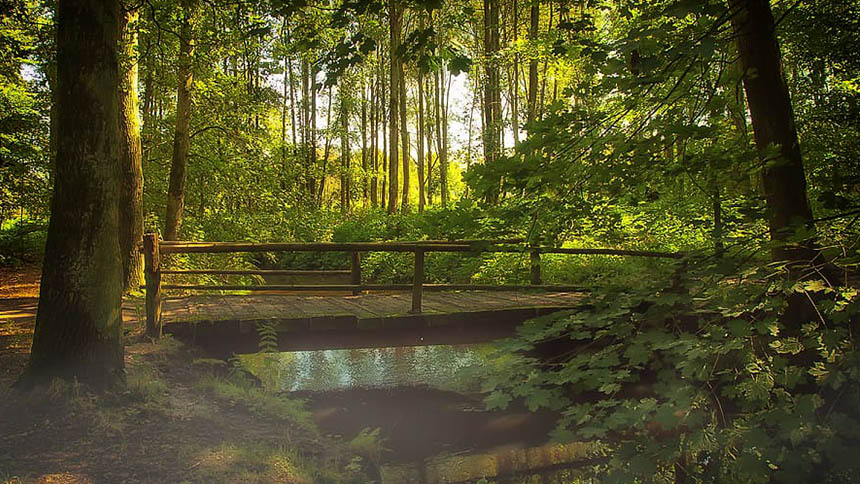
column 22, row 242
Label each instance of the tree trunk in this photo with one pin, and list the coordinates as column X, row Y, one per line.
column 783, row 176
column 374, row 141
column 131, row 194
column 393, row 110
column 492, row 90
column 420, row 136
column 364, row 192
column 181, row 136
column 326, row 151
column 533, row 62
column 345, row 176
column 442, row 149
column 429, row 132
column 313, row 137
column 404, row 138
column 78, row 333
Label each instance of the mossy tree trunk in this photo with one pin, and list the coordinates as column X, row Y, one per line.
column 131, row 192
column 78, row 332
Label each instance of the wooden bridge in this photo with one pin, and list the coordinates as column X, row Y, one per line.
column 357, row 314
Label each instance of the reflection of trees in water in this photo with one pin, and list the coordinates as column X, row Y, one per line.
column 434, row 366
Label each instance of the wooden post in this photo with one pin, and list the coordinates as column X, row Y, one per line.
column 534, row 260
column 355, row 271
column 152, row 271
column 418, row 282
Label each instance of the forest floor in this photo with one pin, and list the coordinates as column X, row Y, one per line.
column 178, row 421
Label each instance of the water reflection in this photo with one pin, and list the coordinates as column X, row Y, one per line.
column 437, row 366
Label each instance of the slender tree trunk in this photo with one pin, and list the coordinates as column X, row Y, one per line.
column 131, row 194
column 420, row 135
column 374, row 140
column 404, row 138
column 326, row 152
column 442, row 149
column 364, row 101
column 783, row 176
column 284, row 104
column 306, row 130
column 515, row 81
column 182, row 135
column 78, row 332
column 396, row 16
column 313, row 134
column 345, row 188
column 428, row 96
column 533, row 62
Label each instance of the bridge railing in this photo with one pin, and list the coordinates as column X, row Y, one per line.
column 155, row 249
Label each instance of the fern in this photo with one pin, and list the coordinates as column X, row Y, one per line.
column 268, row 332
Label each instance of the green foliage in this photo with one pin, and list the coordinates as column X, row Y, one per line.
column 22, row 242
column 719, row 381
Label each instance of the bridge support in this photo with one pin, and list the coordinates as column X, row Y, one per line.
column 152, row 273
column 418, row 282
column 355, row 272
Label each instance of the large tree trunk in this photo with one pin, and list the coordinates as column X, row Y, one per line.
column 772, row 116
column 492, row 90
column 396, row 15
column 182, row 135
column 78, row 332
column 131, row 193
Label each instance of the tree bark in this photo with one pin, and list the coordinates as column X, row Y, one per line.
column 181, row 136
column 783, row 177
column 131, row 194
column 78, row 333
column 492, row 89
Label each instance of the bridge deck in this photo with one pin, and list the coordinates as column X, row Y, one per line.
column 226, row 324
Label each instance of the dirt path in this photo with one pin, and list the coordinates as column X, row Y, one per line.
column 165, row 428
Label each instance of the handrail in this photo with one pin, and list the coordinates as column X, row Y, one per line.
column 154, row 247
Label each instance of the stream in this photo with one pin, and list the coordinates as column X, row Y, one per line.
column 425, row 402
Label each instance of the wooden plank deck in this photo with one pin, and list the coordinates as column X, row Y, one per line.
column 227, row 324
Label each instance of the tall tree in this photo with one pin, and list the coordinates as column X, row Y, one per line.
column 395, row 16
column 404, row 138
column 534, row 23
column 78, row 333
column 131, row 194
column 492, row 89
column 182, row 131
column 420, row 136
column 783, row 176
